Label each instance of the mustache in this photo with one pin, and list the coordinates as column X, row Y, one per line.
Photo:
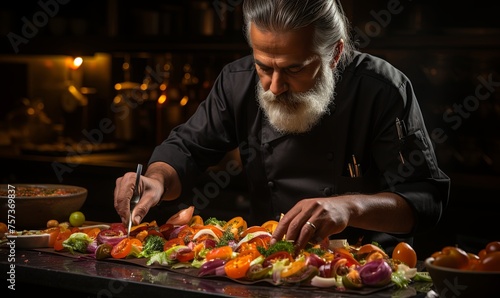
column 289, row 99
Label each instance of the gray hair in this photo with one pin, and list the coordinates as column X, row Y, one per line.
column 327, row 17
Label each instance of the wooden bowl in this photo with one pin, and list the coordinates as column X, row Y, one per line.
column 449, row 282
column 30, row 206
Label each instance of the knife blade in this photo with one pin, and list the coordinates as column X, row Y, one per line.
column 135, row 197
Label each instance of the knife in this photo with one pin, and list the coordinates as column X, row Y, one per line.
column 135, row 197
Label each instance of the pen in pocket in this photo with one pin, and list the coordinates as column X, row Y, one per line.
column 354, row 168
column 400, row 131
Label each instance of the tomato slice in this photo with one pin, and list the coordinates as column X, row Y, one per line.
column 196, row 221
column 185, row 256
column 137, row 243
column 238, row 267
column 122, row 249
column 245, row 247
column 262, row 241
column 344, row 253
column 63, row 235
column 270, row 225
column 142, row 235
column 223, row 253
column 186, row 233
column 253, row 252
column 173, row 242
column 294, row 268
column 53, row 233
column 368, row 248
column 279, row 255
column 92, row 232
column 236, row 225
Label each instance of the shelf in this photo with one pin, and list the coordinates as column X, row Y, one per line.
column 489, row 40
column 91, row 44
column 88, row 45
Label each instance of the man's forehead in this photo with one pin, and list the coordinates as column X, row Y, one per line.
column 283, row 63
column 283, row 43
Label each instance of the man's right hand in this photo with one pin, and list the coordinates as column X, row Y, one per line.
column 151, row 191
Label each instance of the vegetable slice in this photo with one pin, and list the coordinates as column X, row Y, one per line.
column 63, row 235
column 236, row 225
column 122, row 249
column 325, row 282
column 223, row 253
column 294, row 268
column 208, row 232
column 238, row 267
column 375, row 273
column 103, row 251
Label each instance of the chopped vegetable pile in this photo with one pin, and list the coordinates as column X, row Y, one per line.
column 232, row 249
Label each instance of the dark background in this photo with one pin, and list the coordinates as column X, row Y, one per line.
column 446, row 49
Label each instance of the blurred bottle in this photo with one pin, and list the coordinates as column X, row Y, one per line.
column 190, row 83
column 168, row 107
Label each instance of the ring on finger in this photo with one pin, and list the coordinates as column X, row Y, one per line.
column 311, row 224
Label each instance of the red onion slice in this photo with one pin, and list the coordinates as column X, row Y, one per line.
column 375, row 273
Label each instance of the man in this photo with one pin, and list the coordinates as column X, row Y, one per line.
column 332, row 138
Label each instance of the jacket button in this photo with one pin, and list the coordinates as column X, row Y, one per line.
column 270, row 184
column 327, row 192
column 267, row 147
column 329, row 156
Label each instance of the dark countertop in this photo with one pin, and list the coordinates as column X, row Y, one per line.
column 32, row 270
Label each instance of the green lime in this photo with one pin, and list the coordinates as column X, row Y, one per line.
column 76, row 219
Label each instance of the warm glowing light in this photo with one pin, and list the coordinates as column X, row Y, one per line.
column 118, row 86
column 184, row 100
column 144, row 87
column 162, row 99
column 77, row 62
column 163, row 87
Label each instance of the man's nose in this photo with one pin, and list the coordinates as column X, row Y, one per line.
column 278, row 83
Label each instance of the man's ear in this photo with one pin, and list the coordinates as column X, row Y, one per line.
column 337, row 51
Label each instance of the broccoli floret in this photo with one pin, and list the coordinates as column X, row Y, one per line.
column 227, row 236
column 215, row 222
column 316, row 250
column 152, row 244
column 281, row 245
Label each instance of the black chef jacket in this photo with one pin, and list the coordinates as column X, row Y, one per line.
column 283, row 169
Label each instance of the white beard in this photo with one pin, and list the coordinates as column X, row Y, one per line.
column 298, row 112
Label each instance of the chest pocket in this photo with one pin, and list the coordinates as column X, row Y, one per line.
column 369, row 181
